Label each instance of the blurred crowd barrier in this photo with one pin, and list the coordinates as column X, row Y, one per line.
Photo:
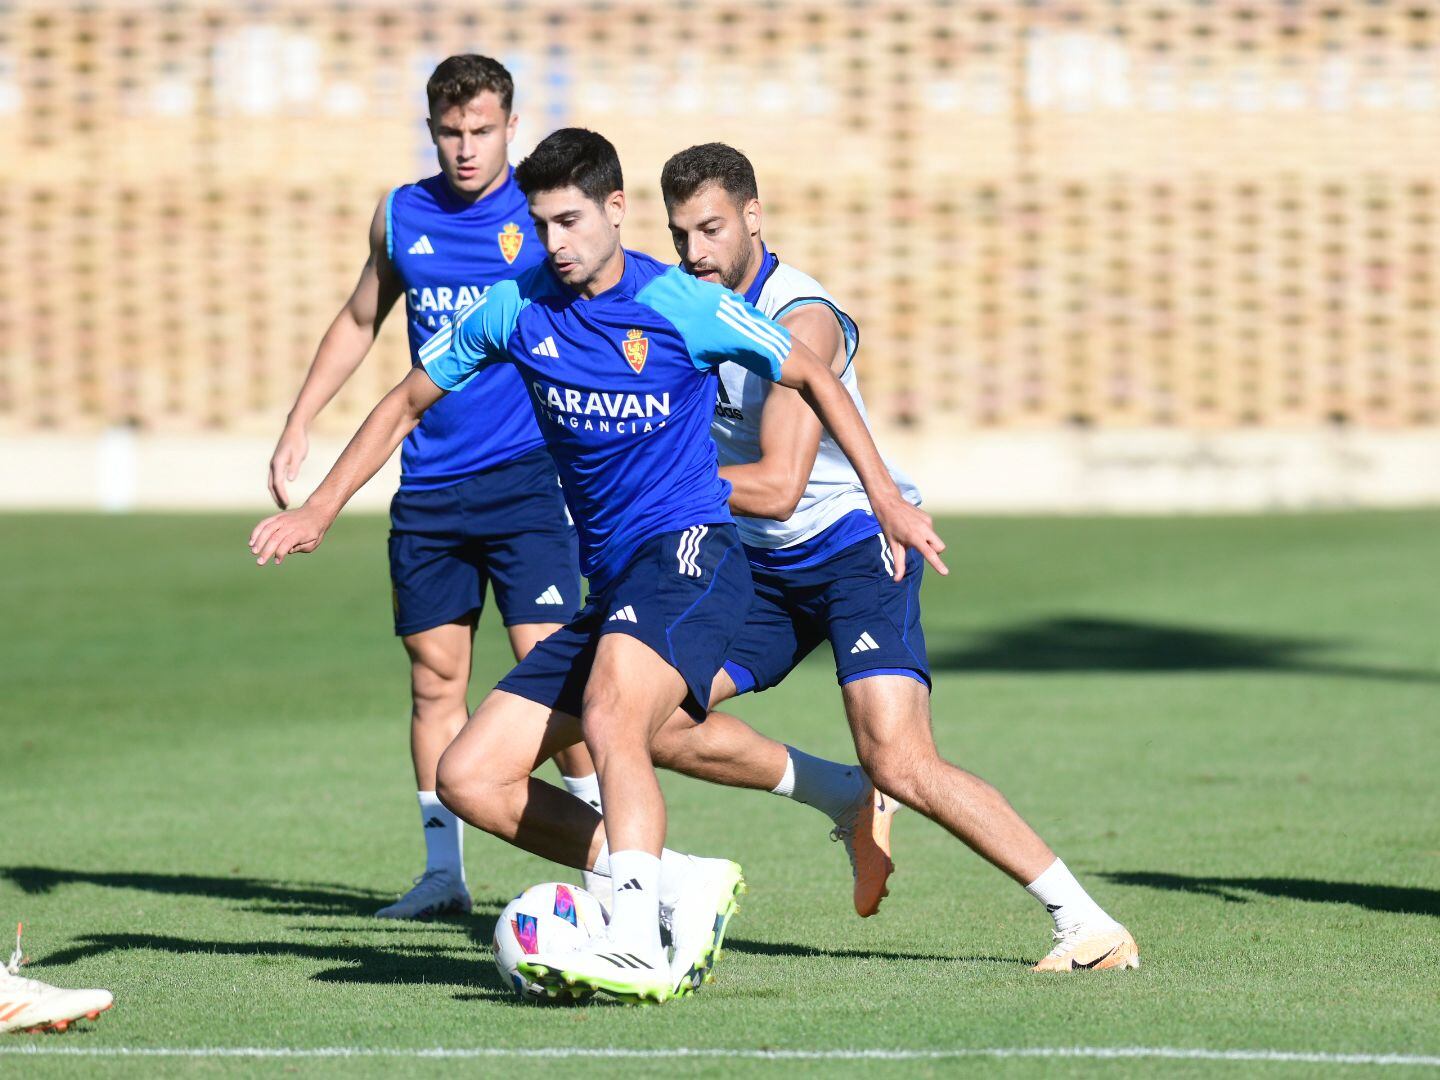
column 1148, row 255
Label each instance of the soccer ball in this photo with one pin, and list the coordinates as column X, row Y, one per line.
column 544, row 918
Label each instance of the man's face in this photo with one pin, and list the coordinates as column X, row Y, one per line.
column 714, row 238
column 472, row 142
column 579, row 235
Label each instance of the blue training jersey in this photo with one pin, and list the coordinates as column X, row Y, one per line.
column 623, row 388
column 447, row 253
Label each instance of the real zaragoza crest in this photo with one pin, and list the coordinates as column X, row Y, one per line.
column 510, row 239
column 637, row 347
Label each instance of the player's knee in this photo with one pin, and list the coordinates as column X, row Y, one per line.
column 468, row 789
column 438, row 684
column 897, row 771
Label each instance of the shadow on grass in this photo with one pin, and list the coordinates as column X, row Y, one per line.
column 1397, row 899
column 410, row 964
column 796, row 949
column 1073, row 643
column 258, row 894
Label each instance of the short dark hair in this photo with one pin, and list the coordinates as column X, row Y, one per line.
column 572, row 157
column 709, row 163
column 461, row 79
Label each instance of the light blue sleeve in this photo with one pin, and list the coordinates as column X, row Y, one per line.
column 475, row 338
column 717, row 325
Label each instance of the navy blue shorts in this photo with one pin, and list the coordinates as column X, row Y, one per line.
column 872, row 621
column 506, row 527
column 681, row 593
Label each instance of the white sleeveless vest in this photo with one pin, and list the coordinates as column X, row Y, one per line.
column 834, row 489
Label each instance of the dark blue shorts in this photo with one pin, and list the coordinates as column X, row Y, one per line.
column 507, row 527
column 871, row 621
column 682, row 593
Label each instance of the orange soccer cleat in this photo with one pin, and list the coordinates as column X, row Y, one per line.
column 1092, row 948
column 865, row 832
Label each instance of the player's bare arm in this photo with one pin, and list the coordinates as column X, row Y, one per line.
column 341, row 351
column 789, row 429
column 904, row 526
column 301, row 530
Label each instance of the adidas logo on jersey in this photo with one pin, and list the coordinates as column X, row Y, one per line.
column 724, row 408
column 550, row 596
column 422, row 246
column 865, row 644
column 624, row 614
column 546, row 348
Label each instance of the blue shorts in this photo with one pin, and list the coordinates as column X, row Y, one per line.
column 507, row 527
column 872, row 621
column 679, row 594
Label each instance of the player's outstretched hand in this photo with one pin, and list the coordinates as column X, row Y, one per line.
column 908, row 527
column 292, row 532
column 285, row 463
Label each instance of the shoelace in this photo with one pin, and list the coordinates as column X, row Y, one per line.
column 420, row 881
column 17, row 957
column 845, row 833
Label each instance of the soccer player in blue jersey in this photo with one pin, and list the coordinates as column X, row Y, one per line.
column 619, row 354
column 479, row 502
column 823, row 571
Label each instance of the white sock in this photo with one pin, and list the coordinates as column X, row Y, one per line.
column 828, row 786
column 584, row 788
column 444, row 836
column 635, row 909
column 674, row 867
column 1064, row 898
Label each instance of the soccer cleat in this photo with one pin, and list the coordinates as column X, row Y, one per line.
column 865, row 831
column 698, row 920
column 436, row 893
column 1093, row 947
column 33, row 1006
column 634, row 978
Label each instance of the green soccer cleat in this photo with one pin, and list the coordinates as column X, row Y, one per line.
column 698, row 921
column 634, row 978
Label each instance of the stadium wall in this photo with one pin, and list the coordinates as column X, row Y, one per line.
column 1142, row 471
column 1095, row 249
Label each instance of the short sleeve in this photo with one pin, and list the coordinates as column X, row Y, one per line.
column 474, row 339
column 717, row 325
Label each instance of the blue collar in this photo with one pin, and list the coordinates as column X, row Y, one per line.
column 768, row 263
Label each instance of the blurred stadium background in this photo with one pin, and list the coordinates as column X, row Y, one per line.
column 1134, row 256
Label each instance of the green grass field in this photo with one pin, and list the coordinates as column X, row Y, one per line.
column 1230, row 729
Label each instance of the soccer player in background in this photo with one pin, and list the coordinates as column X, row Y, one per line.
column 823, row 570
column 618, row 352
column 479, row 502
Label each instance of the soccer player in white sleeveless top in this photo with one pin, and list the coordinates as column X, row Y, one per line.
column 822, row 570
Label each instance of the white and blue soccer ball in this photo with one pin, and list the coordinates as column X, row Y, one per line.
column 544, row 918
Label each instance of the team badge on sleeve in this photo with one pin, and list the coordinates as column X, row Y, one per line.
column 510, row 239
column 637, row 348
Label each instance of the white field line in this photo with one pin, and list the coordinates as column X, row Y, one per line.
column 1171, row 1053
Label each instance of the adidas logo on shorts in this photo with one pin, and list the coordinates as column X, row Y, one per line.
column 865, row 644
column 550, row 596
column 624, row 614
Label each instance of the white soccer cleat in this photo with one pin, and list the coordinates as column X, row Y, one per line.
column 436, row 893
column 31, row 1005
column 1094, row 946
column 631, row 977
column 698, row 921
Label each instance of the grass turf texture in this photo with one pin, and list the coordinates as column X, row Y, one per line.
column 1226, row 726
